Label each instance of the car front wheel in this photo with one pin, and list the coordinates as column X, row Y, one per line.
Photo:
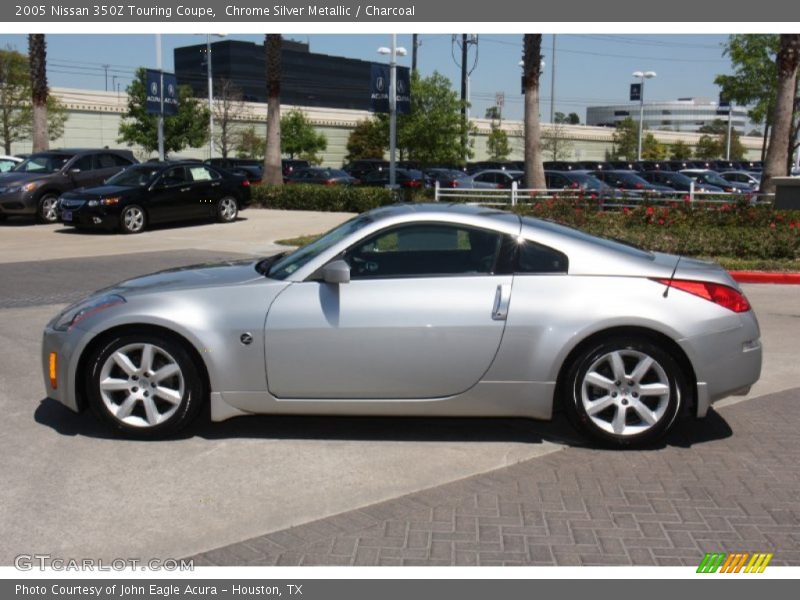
column 144, row 386
column 48, row 208
column 132, row 219
column 624, row 392
column 227, row 209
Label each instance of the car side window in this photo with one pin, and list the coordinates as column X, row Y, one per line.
column 425, row 250
column 537, row 258
column 84, row 163
column 174, row 176
column 200, row 174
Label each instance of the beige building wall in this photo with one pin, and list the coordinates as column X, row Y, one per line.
column 94, row 118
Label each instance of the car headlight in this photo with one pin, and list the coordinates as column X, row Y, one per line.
column 105, row 201
column 29, row 187
column 83, row 310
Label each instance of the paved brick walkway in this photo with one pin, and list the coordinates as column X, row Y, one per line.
column 729, row 483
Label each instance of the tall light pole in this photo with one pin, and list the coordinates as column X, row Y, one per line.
column 393, row 53
column 160, row 68
column 642, row 75
column 730, row 128
column 553, row 83
column 209, row 73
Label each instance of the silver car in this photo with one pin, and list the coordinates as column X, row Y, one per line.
column 427, row 310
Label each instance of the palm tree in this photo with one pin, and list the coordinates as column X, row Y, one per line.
column 272, row 161
column 531, row 71
column 37, row 59
column 787, row 61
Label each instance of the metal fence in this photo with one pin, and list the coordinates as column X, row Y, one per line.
column 515, row 195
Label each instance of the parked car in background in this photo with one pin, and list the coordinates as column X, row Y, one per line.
column 709, row 177
column 619, row 165
column 448, row 178
column 322, row 176
column 752, row 179
column 651, row 165
column 405, row 178
column 7, row 163
column 676, row 181
column 629, row 181
column 157, row 193
column 575, row 180
column 290, row 165
column 496, row 178
column 35, row 184
column 362, row 167
column 493, row 165
column 558, row 165
column 416, row 310
column 251, row 168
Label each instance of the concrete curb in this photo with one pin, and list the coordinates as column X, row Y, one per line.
column 766, row 277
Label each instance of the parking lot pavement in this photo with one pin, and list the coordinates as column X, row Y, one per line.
column 71, row 490
column 729, row 484
column 255, row 232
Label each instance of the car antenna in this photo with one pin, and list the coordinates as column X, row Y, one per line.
column 671, row 277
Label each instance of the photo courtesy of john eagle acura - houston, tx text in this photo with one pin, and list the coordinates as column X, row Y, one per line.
column 423, row 310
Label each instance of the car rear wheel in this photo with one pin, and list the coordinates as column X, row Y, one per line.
column 144, row 386
column 624, row 392
column 227, row 209
column 48, row 208
column 133, row 219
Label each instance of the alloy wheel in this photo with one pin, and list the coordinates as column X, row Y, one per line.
column 133, row 219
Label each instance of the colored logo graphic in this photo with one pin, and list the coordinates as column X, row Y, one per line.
column 734, row 562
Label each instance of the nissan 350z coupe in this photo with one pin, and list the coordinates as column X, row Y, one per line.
column 423, row 310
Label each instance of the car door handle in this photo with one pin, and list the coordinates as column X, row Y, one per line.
column 186, row 189
column 215, row 184
column 502, row 298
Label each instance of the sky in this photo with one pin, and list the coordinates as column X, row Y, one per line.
column 591, row 69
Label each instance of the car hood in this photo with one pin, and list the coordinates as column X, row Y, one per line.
column 103, row 191
column 15, row 178
column 206, row 275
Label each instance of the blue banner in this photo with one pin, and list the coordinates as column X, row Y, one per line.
column 153, row 81
column 379, row 89
column 636, row 91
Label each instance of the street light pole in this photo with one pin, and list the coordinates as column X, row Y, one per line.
column 210, row 98
column 730, row 127
column 161, row 112
column 642, row 76
column 393, row 113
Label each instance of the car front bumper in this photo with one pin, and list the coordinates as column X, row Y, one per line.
column 89, row 217
column 66, row 346
column 17, row 203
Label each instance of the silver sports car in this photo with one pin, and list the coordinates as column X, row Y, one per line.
column 425, row 310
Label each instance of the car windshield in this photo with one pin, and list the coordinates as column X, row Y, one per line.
column 300, row 257
column 678, row 178
column 139, row 176
column 586, row 180
column 42, row 163
column 630, row 178
column 714, row 179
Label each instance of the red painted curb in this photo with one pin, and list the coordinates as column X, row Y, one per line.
column 766, row 277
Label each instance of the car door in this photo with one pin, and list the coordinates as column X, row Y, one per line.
column 168, row 194
column 206, row 191
column 422, row 317
column 83, row 172
column 109, row 164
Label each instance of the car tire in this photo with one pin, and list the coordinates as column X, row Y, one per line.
column 227, row 209
column 47, row 208
column 144, row 386
column 132, row 219
column 624, row 392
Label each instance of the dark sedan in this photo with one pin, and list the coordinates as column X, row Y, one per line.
column 323, row 176
column 448, row 178
column 406, row 178
column 157, row 193
column 677, row 181
column 629, row 181
column 571, row 180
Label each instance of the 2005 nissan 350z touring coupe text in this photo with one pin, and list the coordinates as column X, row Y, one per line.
column 418, row 310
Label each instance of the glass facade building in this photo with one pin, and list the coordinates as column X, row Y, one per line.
column 684, row 114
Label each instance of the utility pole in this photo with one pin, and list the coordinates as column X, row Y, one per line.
column 105, row 70
column 553, row 84
column 414, row 46
column 464, row 51
column 159, row 66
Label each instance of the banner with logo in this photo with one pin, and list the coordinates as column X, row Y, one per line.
column 636, row 92
column 154, row 92
column 379, row 89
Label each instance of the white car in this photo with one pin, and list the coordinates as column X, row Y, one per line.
column 8, row 162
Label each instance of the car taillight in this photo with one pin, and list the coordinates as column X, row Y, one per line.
column 453, row 184
column 500, row 186
column 246, row 183
column 330, row 182
column 639, row 186
column 725, row 296
column 574, row 186
column 412, row 183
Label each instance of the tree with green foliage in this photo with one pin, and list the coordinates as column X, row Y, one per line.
column 754, row 78
column 431, row 133
column 555, row 144
column 497, row 144
column 626, row 139
column 299, row 138
column 187, row 129
column 570, row 119
column 652, row 149
column 493, row 112
column 714, row 142
column 680, row 150
column 16, row 112
column 249, row 144
column 367, row 140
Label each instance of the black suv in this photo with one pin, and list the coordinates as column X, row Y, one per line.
column 33, row 187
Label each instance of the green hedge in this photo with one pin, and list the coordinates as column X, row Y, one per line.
column 733, row 230
column 332, row 198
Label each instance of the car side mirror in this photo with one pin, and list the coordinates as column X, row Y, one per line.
column 336, row 272
column 74, row 170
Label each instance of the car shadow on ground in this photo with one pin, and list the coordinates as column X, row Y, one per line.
column 391, row 429
column 154, row 227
